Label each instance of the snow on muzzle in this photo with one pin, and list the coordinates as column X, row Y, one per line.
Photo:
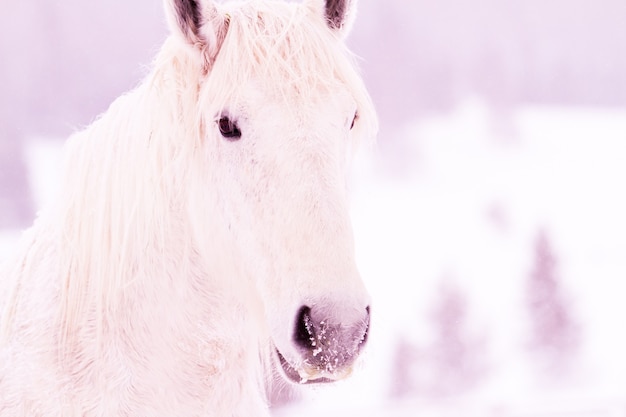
column 328, row 348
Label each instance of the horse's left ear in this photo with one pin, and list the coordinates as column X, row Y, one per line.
column 339, row 14
column 199, row 23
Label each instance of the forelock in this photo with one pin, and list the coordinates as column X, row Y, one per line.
column 284, row 46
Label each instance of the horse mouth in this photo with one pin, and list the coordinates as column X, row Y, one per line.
column 306, row 374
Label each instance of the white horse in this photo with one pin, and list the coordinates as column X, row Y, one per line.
column 200, row 243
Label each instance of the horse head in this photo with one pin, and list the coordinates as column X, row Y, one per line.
column 282, row 109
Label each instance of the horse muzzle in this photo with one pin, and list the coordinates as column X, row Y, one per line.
column 327, row 348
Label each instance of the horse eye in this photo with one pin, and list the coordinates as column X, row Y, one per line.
column 354, row 119
column 228, row 128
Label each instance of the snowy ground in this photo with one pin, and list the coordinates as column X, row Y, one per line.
column 478, row 190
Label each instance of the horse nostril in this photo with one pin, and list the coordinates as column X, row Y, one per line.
column 304, row 336
column 311, row 334
column 367, row 327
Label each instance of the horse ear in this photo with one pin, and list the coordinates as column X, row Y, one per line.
column 339, row 14
column 198, row 22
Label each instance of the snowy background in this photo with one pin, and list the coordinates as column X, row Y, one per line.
column 489, row 217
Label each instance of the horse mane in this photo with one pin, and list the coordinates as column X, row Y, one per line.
column 123, row 215
column 123, row 192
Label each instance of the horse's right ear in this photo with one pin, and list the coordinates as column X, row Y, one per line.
column 198, row 22
column 338, row 14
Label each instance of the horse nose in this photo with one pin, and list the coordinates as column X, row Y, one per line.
column 330, row 341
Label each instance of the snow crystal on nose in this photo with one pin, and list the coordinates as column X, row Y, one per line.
column 334, row 347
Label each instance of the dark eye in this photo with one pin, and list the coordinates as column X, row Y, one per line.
column 354, row 119
column 228, row 128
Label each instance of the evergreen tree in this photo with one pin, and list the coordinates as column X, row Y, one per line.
column 554, row 333
column 451, row 364
column 457, row 356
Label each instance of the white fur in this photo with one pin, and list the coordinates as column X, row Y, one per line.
column 173, row 261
